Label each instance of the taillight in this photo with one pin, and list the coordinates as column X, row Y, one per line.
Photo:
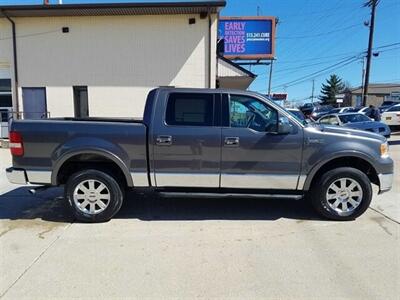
column 16, row 146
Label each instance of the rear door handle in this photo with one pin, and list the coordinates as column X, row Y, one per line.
column 164, row 140
column 231, row 141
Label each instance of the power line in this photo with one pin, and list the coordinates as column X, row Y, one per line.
column 336, row 55
column 319, row 34
column 318, row 73
column 331, row 68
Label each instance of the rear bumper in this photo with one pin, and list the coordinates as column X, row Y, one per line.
column 17, row 176
column 385, row 182
column 23, row 176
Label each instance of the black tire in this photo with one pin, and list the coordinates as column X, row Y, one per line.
column 318, row 194
column 113, row 192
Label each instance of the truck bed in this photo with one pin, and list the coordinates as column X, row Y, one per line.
column 47, row 141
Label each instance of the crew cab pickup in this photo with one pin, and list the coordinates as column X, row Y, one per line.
column 212, row 142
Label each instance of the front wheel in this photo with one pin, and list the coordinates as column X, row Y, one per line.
column 94, row 196
column 341, row 194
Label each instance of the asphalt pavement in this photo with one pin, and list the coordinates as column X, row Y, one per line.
column 197, row 248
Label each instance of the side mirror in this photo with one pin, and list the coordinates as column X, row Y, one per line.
column 284, row 128
column 280, row 129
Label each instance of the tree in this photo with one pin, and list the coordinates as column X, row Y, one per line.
column 333, row 86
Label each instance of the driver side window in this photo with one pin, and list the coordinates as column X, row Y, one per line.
column 247, row 112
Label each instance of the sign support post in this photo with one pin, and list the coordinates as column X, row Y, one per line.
column 270, row 77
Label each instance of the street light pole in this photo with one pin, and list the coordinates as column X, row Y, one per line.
column 373, row 4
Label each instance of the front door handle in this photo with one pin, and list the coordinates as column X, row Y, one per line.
column 164, row 140
column 232, row 141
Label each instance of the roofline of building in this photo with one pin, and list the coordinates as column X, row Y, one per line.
column 58, row 9
column 235, row 65
column 115, row 5
column 377, row 86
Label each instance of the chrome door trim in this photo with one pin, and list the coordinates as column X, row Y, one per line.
column 187, row 179
column 302, row 180
column 259, row 181
column 229, row 195
column 140, row 179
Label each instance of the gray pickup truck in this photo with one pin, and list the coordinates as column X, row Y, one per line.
column 208, row 142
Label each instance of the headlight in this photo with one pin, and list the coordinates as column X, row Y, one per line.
column 384, row 150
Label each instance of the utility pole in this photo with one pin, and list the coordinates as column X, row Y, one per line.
column 373, row 4
column 312, row 91
column 270, row 77
column 362, row 79
column 271, row 66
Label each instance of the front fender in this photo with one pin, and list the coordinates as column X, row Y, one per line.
column 327, row 158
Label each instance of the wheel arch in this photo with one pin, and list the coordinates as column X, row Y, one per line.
column 90, row 156
column 360, row 162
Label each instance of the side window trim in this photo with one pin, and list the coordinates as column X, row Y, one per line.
column 255, row 99
column 213, row 121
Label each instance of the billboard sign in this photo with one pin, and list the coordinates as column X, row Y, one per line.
column 279, row 96
column 247, row 37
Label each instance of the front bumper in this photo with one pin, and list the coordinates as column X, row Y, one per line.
column 17, row 176
column 385, row 182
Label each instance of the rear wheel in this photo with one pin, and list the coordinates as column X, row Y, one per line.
column 341, row 194
column 94, row 196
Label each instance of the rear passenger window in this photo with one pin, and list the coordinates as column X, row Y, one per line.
column 190, row 109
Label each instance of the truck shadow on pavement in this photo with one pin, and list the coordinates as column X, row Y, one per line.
column 50, row 206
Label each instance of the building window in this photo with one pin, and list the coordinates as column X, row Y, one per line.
column 188, row 109
column 34, row 101
column 5, row 93
column 81, row 105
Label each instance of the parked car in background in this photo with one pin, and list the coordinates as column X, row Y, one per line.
column 341, row 110
column 297, row 113
column 391, row 116
column 365, row 111
column 307, row 108
column 386, row 105
column 356, row 121
column 320, row 111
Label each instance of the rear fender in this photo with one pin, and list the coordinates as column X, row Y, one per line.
column 90, row 145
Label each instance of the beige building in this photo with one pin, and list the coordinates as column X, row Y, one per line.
column 377, row 93
column 102, row 59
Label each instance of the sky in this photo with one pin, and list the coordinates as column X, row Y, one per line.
column 316, row 38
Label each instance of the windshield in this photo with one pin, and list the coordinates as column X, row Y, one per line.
column 386, row 103
column 353, row 118
column 394, row 108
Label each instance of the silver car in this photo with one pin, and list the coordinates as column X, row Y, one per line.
column 356, row 121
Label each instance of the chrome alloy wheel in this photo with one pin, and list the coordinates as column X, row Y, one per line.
column 91, row 196
column 344, row 195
